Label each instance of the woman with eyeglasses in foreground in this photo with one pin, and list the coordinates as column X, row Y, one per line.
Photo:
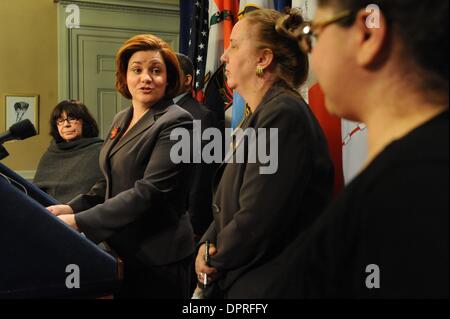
column 75, row 145
column 387, row 235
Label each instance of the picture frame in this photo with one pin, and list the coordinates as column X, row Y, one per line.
column 19, row 107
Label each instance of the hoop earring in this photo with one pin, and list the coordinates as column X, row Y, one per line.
column 259, row 71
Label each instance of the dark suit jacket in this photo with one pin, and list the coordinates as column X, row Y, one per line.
column 143, row 215
column 200, row 194
column 256, row 216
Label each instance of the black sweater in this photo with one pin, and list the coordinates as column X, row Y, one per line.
column 389, row 227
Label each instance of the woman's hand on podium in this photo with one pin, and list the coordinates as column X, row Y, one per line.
column 69, row 220
column 65, row 213
column 59, row 210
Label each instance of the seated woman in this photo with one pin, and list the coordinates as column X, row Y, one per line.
column 70, row 165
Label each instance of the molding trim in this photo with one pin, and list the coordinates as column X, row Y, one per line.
column 109, row 7
column 153, row 7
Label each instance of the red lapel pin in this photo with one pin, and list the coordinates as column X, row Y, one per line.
column 114, row 132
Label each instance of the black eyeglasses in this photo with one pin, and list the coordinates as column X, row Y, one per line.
column 309, row 31
column 69, row 119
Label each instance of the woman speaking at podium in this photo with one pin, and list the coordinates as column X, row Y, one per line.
column 139, row 209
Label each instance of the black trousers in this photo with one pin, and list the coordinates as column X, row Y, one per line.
column 172, row 281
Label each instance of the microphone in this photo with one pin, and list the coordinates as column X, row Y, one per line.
column 19, row 131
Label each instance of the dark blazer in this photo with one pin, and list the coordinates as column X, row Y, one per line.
column 143, row 215
column 256, row 216
column 200, row 194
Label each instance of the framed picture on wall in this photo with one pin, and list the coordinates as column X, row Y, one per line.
column 19, row 107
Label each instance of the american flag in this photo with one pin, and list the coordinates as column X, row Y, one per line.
column 208, row 40
column 211, row 25
column 198, row 43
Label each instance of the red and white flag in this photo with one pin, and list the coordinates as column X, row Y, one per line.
column 347, row 140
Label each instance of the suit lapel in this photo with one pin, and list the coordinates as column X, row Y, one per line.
column 229, row 155
column 183, row 100
column 111, row 140
column 119, row 126
column 276, row 89
column 147, row 120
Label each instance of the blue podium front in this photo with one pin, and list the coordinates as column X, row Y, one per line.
column 41, row 257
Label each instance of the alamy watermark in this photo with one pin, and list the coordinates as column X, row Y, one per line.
column 73, row 279
column 253, row 146
column 73, row 18
column 373, row 281
column 373, row 20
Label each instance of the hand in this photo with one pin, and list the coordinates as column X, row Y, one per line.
column 198, row 293
column 69, row 220
column 201, row 268
column 59, row 210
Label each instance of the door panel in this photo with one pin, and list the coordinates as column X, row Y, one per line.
column 87, row 54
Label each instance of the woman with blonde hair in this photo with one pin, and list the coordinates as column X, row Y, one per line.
column 256, row 215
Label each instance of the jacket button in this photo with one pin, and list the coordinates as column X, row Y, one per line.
column 215, row 208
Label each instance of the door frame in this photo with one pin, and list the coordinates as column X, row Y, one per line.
column 111, row 12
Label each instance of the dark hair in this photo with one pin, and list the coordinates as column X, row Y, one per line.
column 148, row 42
column 77, row 110
column 186, row 64
column 290, row 62
column 422, row 27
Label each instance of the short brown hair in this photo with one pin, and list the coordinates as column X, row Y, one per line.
column 290, row 62
column 148, row 42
